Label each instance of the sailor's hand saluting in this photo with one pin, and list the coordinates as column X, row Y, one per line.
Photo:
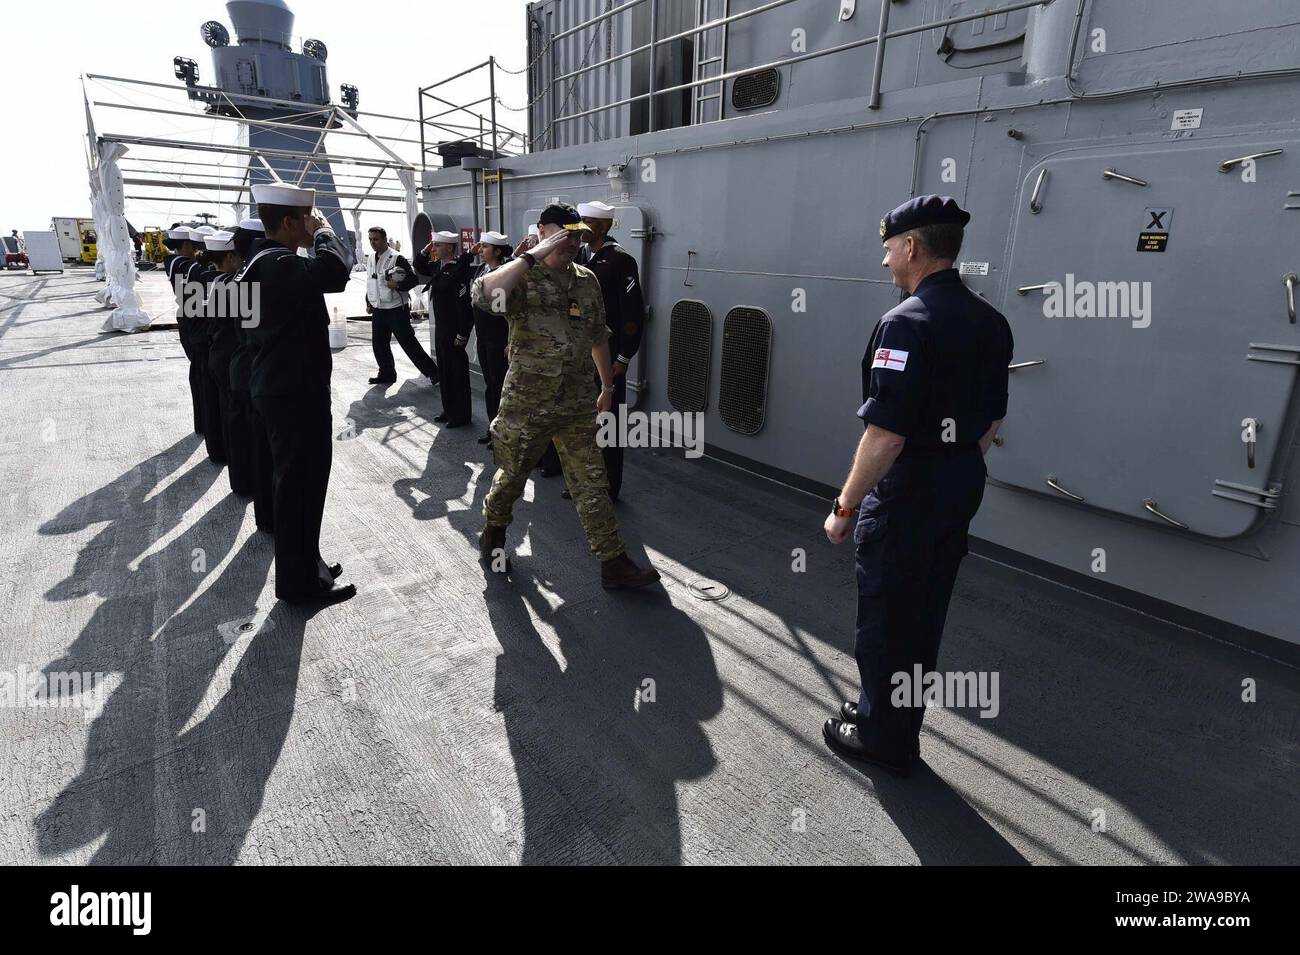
column 315, row 223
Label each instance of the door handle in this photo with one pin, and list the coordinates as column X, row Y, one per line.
column 1249, row 428
column 1227, row 164
column 1035, row 206
column 1150, row 505
column 1051, row 482
column 1290, row 279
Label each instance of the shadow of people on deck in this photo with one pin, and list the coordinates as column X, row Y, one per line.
column 153, row 787
column 600, row 740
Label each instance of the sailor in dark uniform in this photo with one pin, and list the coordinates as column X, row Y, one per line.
column 179, row 265
column 389, row 279
column 249, row 448
column 223, row 337
column 620, row 285
column 214, row 435
column 291, row 380
column 449, row 304
column 491, row 332
column 934, row 391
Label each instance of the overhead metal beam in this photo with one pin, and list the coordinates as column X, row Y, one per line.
column 167, row 200
column 246, row 151
column 222, row 187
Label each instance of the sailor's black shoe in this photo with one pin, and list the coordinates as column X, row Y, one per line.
column 440, row 418
column 325, row 596
column 842, row 738
column 849, row 712
column 383, row 381
column 486, row 439
column 336, row 570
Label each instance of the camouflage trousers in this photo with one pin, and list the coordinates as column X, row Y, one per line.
column 520, row 433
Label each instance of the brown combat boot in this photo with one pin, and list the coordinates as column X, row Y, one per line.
column 493, row 537
column 620, row 573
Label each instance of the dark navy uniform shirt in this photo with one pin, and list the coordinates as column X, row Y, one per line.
column 940, row 354
column 290, row 341
column 449, row 292
column 620, row 286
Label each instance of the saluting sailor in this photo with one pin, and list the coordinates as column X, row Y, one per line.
column 214, row 435
column 389, row 277
column 620, row 287
column 249, row 448
column 222, row 317
column 450, row 277
column 291, row 380
column 934, row 391
column 491, row 332
column 179, row 264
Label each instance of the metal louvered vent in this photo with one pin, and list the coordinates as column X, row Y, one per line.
column 755, row 89
column 746, row 351
column 690, row 353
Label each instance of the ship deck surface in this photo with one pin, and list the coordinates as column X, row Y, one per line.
column 445, row 716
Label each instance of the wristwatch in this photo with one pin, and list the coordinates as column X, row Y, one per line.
column 532, row 259
column 842, row 511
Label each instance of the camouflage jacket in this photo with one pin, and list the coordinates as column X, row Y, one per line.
column 553, row 324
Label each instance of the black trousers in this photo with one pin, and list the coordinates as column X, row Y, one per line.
column 214, row 429
column 493, row 363
column 453, row 364
column 387, row 324
column 910, row 539
column 298, row 428
column 196, row 372
column 239, row 440
column 613, row 454
column 263, row 470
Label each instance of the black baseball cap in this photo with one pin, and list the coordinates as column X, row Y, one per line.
column 564, row 215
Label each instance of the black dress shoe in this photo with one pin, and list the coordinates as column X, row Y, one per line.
column 458, row 424
column 383, row 381
column 336, row 570
column 551, row 472
column 849, row 714
column 842, row 738
column 435, row 378
column 486, row 439
column 566, row 495
column 440, row 418
column 324, row 597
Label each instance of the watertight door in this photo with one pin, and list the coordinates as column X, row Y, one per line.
column 1166, row 330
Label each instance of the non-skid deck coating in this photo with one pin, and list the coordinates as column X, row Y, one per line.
column 444, row 717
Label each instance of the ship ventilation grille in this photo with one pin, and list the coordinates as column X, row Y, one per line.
column 746, row 352
column 755, row 89
column 690, row 353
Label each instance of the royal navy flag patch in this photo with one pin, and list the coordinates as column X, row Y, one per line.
column 890, row 358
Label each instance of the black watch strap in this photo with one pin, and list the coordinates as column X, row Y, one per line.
column 532, row 259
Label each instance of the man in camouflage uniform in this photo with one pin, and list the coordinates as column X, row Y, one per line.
column 557, row 331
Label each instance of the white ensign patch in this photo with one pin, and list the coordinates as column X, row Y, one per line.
column 890, row 358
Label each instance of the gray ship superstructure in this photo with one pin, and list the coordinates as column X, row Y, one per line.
column 1133, row 173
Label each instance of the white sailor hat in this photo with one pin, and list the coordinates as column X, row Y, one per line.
column 205, row 230
column 532, row 229
column 494, row 238
column 445, row 237
column 595, row 210
column 198, row 235
column 182, row 233
column 278, row 194
column 220, row 241
column 252, row 225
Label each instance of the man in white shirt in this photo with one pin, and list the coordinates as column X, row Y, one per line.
column 389, row 277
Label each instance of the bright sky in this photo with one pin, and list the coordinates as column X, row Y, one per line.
column 387, row 50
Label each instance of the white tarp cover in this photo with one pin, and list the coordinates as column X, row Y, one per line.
column 101, row 221
column 116, row 246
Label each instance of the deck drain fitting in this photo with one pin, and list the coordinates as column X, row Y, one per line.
column 247, row 627
column 709, row 590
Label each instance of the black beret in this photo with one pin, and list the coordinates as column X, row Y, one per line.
column 923, row 211
column 562, row 214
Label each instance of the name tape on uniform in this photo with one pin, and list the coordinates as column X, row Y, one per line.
column 890, row 358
